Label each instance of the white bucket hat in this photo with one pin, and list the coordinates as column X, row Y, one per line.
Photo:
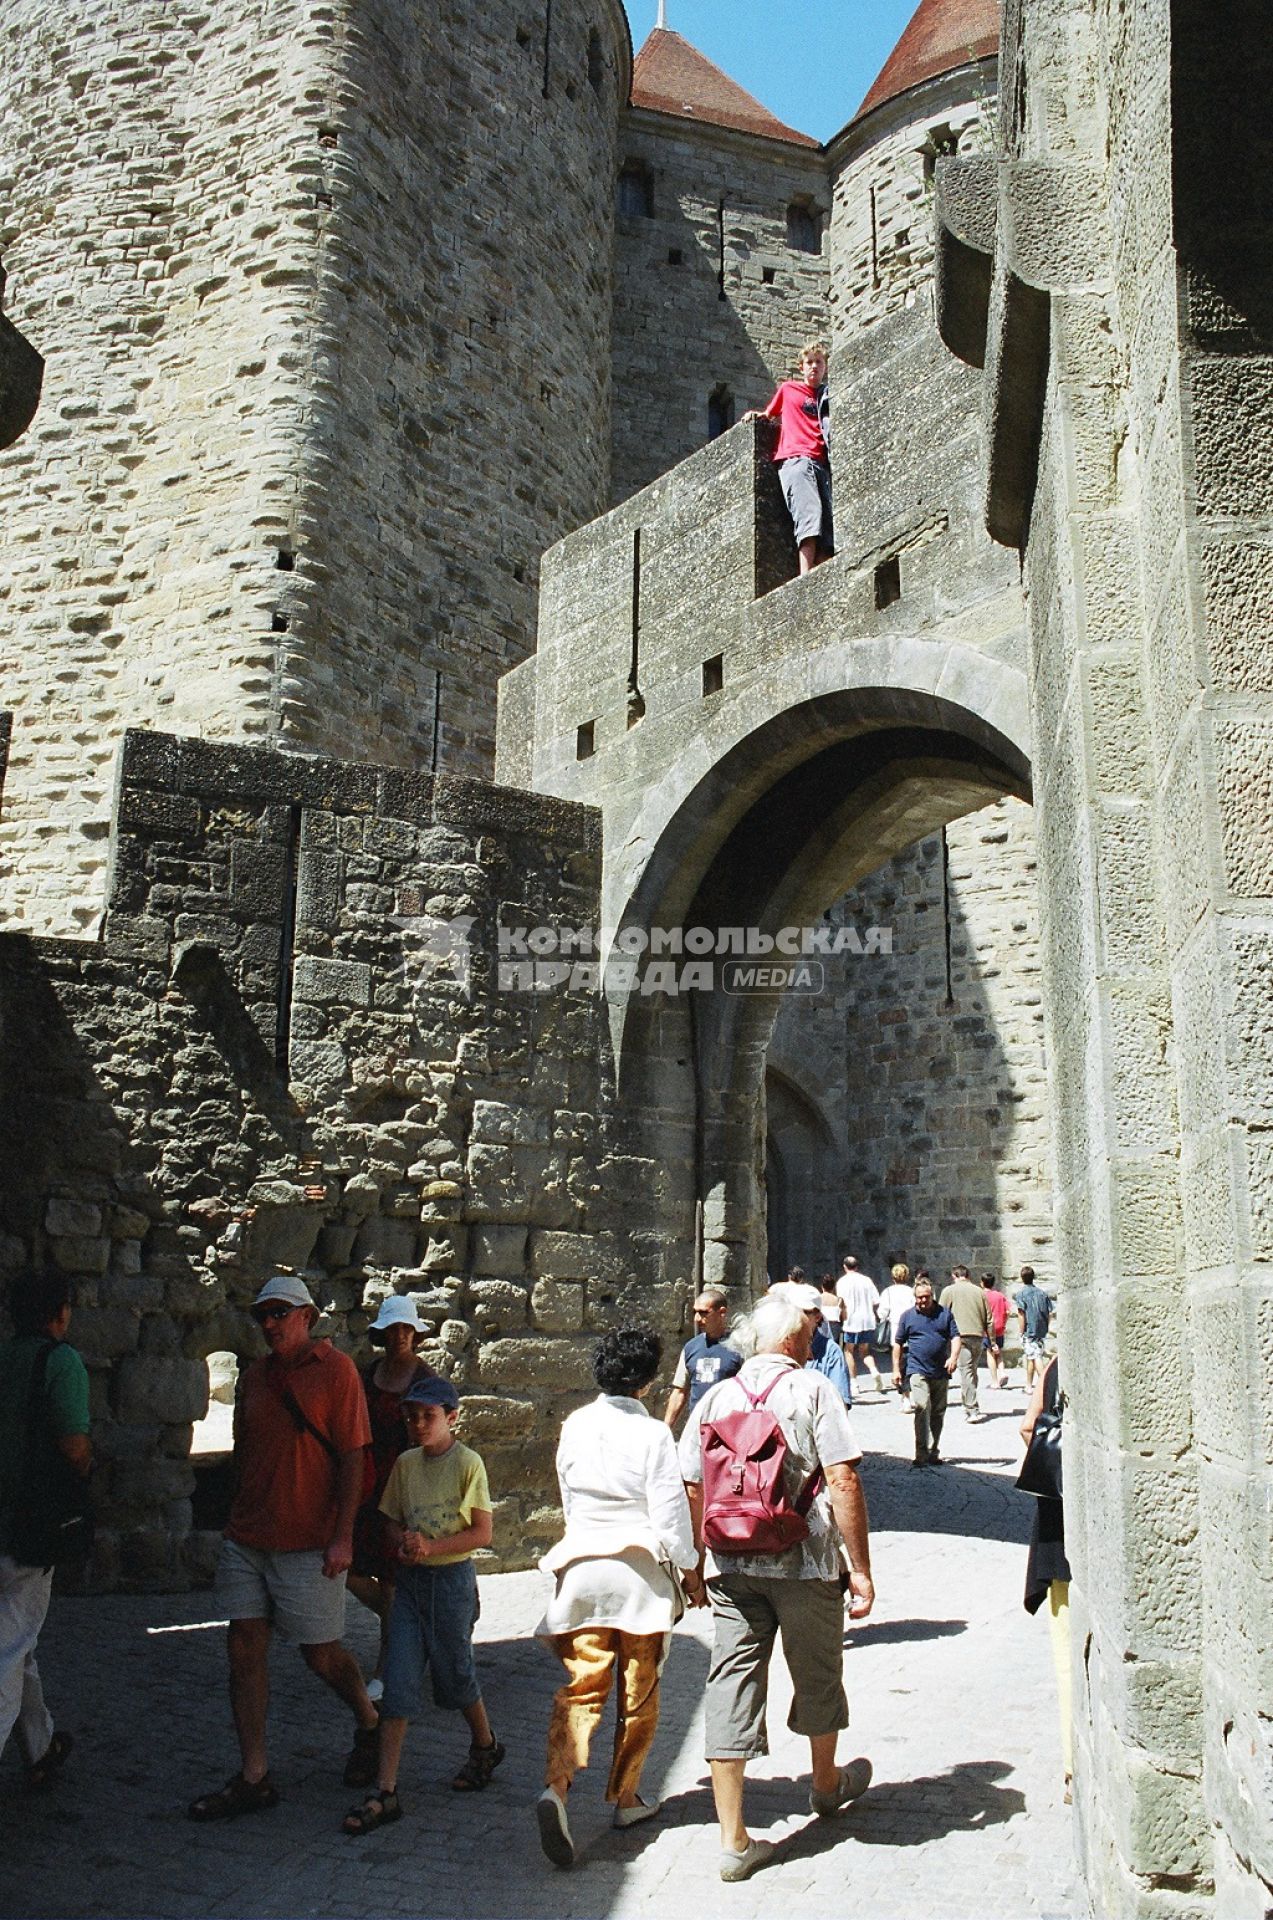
column 286, row 1287
column 397, row 1310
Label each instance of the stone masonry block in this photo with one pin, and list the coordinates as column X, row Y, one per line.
column 490, row 1418
column 509, row 1126
column 537, row 1366
column 500, row 1251
column 567, row 1256
column 104, row 1333
column 498, row 1305
column 332, row 982
column 65, row 1216
column 1244, row 783
column 557, row 1305
column 167, row 1391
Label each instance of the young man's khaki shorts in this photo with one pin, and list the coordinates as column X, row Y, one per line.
column 747, row 1613
column 288, row 1589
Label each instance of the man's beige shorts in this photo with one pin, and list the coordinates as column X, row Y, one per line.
column 288, row 1589
column 747, row 1613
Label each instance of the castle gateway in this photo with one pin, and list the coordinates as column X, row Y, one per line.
column 447, row 853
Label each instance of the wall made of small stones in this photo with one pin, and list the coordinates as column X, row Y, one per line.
column 291, row 1047
column 324, row 299
column 941, row 1115
column 710, row 317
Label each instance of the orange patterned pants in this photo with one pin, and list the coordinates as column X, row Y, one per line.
column 591, row 1657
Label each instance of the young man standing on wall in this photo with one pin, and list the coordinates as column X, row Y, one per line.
column 803, row 453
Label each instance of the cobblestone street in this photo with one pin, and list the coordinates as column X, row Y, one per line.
column 952, row 1697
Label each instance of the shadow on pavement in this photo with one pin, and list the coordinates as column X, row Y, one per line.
column 889, row 1632
column 949, row 1498
column 909, row 1813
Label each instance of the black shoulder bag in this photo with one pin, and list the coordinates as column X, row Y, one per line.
column 50, row 1523
column 1041, row 1469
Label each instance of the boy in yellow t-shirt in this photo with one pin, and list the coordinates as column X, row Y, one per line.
column 437, row 1510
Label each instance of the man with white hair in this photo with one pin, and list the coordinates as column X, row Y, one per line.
column 300, row 1437
column 797, row 1591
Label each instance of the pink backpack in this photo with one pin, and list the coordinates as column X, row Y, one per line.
column 745, row 1504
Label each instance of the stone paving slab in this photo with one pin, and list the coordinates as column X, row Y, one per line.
column 952, row 1695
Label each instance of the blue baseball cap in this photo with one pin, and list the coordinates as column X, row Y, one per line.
column 432, row 1391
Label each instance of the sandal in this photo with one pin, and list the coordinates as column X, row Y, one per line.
column 363, row 1763
column 42, row 1773
column 235, row 1797
column 478, row 1768
column 379, row 1809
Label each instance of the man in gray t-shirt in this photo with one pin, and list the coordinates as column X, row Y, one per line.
column 796, row 1593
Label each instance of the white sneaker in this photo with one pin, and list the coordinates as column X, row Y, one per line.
column 554, row 1829
column 741, row 1866
column 634, row 1815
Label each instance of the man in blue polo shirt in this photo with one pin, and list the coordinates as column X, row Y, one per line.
column 705, row 1359
column 927, row 1337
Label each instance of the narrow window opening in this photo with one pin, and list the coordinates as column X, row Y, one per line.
column 675, row 258
column 875, row 240
column 287, row 944
column 888, row 582
column 940, row 141
column 285, row 562
column 636, row 190
column 524, row 36
column 436, row 743
column 280, row 623
column 804, row 227
column 322, row 199
column 596, row 62
column 327, row 136
column 586, row 740
column 767, row 275
column 902, row 238
column 635, row 699
column 720, row 411
column 548, row 44
column 713, row 674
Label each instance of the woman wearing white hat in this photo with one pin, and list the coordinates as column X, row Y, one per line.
column 399, row 1329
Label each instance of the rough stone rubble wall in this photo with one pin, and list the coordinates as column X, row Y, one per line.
column 324, row 296
column 433, row 1136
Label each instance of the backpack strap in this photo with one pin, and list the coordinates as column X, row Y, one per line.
column 300, row 1418
column 817, row 1479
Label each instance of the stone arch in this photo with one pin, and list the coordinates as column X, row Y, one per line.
column 883, row 743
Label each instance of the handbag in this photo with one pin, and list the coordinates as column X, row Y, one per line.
column 884, row 1336
column 1041, row 1469
column 50, row 1523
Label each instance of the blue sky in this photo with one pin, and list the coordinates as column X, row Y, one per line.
column 811, row 62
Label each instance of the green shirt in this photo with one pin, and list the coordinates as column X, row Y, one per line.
column 65, row 1403
column 437, row 1494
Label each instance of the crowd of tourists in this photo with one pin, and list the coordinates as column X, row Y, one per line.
column 360, row 1481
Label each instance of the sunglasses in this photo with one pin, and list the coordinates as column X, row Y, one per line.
column 264, row 1315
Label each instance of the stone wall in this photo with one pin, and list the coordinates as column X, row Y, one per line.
column 290, row 1046
column 709, row 295
column 882, row 171
column 324, row 296
column 941, row 1122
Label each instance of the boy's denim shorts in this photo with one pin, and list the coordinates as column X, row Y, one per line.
column 434, row 1612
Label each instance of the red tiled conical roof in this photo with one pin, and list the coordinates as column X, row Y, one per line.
column 671, row 76
column 942, row 35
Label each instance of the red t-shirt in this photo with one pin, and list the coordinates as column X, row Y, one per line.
column 998, row 1305
column 795, row 407
column 286, row 1498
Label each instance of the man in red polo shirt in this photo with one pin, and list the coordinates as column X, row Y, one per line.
column 300, row 1435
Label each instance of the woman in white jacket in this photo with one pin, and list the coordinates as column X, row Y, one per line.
column 628, row 1537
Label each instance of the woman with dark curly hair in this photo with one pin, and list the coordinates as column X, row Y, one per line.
column 628, row 1532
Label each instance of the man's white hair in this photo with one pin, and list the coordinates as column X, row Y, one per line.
column 768, row 1326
